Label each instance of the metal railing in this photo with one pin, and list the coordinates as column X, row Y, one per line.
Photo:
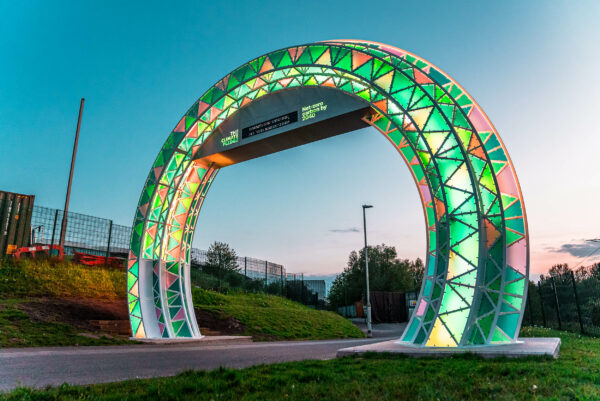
column 567, row 301
column 255, row 269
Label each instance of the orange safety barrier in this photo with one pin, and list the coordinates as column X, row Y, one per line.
column 95, row 260
column 34, row 250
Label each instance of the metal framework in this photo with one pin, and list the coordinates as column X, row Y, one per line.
column 477, row 263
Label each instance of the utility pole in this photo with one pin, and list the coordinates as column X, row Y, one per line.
column 63, row 227
column 369, row 328
column 597, row 240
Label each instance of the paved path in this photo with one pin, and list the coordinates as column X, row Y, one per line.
column 381, row 330
column 39, row 367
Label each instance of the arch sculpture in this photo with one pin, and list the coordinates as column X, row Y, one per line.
column 477, row 263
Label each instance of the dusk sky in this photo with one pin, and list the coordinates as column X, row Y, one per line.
column 532, row 66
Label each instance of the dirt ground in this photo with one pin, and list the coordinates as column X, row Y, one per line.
column 213, row 324
column 75, row 312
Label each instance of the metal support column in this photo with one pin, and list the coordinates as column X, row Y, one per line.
column 556, row 302
column 530, row 307
column 542, row 304
column 577, row 302
column 53, row 232
column 110, row 228
column 369, row 327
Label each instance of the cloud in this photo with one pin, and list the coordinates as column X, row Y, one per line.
column 581, row 249
column 345, row 230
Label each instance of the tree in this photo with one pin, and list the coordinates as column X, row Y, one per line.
column 221, row 258
column 586, row 272
column 561, row 269
column 386, row 273
column 560, row 272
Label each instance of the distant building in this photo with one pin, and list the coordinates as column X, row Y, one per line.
column 318, row 287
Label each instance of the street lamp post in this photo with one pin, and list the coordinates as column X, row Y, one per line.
column 369, row 331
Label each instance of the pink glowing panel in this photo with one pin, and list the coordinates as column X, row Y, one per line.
column 516, row 256
column 507, row 182
column 421, row 308
column 426, row 193
column 480, row 122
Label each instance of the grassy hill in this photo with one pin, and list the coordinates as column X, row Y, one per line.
column 269, row 317
column 46, row 302
column 50, row 303
column 52, row 278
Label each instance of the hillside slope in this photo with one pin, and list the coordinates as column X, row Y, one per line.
column 269, row 317
column 45, row 303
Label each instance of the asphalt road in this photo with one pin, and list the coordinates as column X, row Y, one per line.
column 40, row 367
column 381, row 330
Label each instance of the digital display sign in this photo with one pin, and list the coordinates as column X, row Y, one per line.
column 274, row 123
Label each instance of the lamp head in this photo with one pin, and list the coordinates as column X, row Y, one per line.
column 367, row 206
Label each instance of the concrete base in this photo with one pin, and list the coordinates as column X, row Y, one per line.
column 205, row 341
column 522, row 348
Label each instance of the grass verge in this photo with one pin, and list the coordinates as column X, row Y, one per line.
column 269, row 317
column 574, row 376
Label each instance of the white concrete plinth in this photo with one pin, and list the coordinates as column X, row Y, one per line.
column 204, row 340
column 522, row 348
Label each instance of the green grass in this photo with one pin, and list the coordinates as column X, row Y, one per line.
column 574, row 376
column 269, row 317
column 265, row 317
column 53, row 278
column 26, row 280
column 18, row 330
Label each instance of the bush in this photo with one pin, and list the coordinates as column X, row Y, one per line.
column 594, row 308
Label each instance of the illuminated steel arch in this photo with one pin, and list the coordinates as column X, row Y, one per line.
column 477, row 264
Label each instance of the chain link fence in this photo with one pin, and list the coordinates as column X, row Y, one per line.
column 565, row 301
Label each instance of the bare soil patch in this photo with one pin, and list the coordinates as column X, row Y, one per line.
column 84, row 315
column 212, row 323
column 78, row 313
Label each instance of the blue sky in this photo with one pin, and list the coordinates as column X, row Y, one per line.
column 531, row 65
